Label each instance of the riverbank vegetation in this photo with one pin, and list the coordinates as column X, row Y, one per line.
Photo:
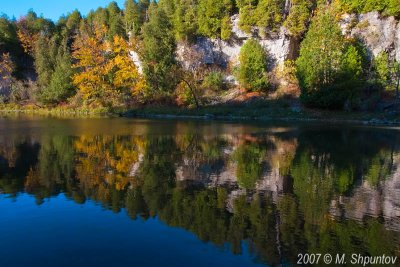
column 122, row 58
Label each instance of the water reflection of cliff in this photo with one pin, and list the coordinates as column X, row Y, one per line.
column 284, row 191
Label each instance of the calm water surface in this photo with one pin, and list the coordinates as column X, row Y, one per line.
column 121, row 192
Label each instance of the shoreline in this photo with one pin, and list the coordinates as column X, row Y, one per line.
column 230, row 113
column 372, row 122
column 209, row 117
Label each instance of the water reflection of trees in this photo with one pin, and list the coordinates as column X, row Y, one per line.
column 282, row 193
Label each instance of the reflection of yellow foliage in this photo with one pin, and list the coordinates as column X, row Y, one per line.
column 107, row 160
column 8, row 152
column 32, row 181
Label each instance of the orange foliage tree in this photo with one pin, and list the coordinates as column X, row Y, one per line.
column 6, row 69
column 26, row 36
column 106, row 74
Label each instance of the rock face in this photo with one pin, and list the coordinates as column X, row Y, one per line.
column 397, row 44
column 136, row 59
column 376, row 32
column 226, row 53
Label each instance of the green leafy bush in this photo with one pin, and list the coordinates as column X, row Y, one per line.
column 252, row 71
column 214, row 81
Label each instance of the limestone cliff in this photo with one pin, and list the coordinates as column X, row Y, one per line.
column 377, row 33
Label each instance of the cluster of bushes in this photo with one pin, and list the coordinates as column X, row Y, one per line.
column 386, row 7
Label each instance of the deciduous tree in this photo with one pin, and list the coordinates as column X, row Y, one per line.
column 106, row 75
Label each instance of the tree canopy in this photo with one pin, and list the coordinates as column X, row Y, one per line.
column 68, row 61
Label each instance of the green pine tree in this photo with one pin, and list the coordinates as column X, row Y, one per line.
column 158, row 53
column 327, row 69
column 252, row 72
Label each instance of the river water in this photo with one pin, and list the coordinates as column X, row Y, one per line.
column 129, row 192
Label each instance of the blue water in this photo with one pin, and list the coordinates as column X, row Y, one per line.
column 61, row 232
column 118, row 192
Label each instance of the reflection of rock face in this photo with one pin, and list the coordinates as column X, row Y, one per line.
column 369, row 201
column 223, row 173
column 391, row 199
column 135, row 166
column 364, row 201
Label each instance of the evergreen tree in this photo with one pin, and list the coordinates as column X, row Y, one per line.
column 382, row 70
column 298, row 17
column 185, row 19
column 45, row 58
column 73, row 20
column 132, row 18
column 226, row 28
column 210, row 15
column 324, row 62
column 252, row 73
column 247, row 16
column 143, row 8
column 115, row 22
column 269, row 14
column 98, row 17
column 169, row 7
column 158, row 53
column 8, row 36
column 60, row 86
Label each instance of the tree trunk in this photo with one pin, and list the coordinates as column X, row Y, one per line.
column 397, row 87
column 193, row 93
column 288, row 5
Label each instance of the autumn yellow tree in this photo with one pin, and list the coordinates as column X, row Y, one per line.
column 126, row 73
column 106, row 74
column 27, row 40
column 27, row 36
column 6, row 69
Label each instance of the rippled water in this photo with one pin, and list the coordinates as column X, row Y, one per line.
column 121, row 192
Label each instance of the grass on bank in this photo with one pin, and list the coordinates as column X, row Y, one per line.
column 266, row 109
column 56, row 111
column 263, row 110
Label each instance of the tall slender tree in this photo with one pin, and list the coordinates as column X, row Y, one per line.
column 158, row 52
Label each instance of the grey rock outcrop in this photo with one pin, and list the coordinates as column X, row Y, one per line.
column 226, row 53
column 136, row 60
column 376, row 32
